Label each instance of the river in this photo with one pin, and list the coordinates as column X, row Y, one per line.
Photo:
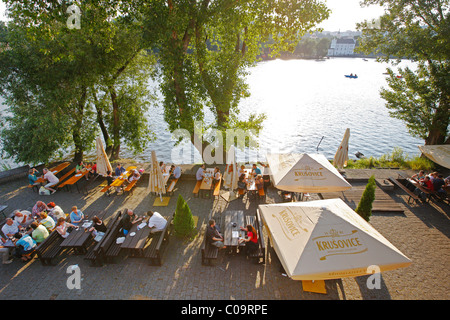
column 306, row 102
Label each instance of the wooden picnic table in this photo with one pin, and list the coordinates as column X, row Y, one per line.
column 136, row 239
column 79, row 238
column 124, row 176
column 233, row 220
column 75, row 178
column 60, row 167
column 207, row 181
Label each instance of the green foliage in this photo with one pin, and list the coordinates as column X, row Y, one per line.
column 364, row 208
column 183, row 221
column 396, row 159
column 418, row 30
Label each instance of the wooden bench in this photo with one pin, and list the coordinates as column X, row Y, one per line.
column 172, row 186
column 197, row 188
column 262, row 195
column 411, row 194
column 209, row 252
column 110, row 250
column 50, row 248
column 96, row 252
column 158, row 243
column 216, row 192
column 62, row 183
column 130, row 186
column 34, row 187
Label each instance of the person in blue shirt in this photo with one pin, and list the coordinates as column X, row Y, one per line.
column 32, row 176
column 24, row 245
column 76, row 216
column 256, row 170
column 119, row 170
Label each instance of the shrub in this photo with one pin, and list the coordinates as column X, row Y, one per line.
column 364, row 208
column 183, row 221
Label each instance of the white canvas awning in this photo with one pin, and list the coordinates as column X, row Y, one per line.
column 341, row 156
column 326, row 239
column 156, row 180
column 102, row 160
column 439, row 154
column 305, row 173
column 230, row 176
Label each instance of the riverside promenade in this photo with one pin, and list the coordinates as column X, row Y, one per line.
column 421, row 232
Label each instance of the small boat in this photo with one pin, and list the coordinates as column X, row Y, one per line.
column 351, row 76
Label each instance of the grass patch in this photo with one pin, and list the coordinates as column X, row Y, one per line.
column 397, row 159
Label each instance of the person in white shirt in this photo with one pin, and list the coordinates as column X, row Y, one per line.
column 9, row 229
column 51, row 178
column 55, row 211
column 156, row 222
column 23, row 218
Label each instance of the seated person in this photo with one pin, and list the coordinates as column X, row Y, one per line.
column 256, row 170
column 23, row 218
column 119, row 170
column 128, row 220
column 76, row 216
column 259, row 182
column 92, row 170
column 241, row 170
column 98, row 229
column 200, row 174
column 24, row 245
column 418, row 176
column 217, row 176
column 80, row 167
column 438, row 184
column 9, row 229
column 427, row 184
column 64, row 228
column 109, row 180
column 39, row 232
column 135, row 176
column 51, row 178
column 175, row 173
column 213, row 237
column 162, row 166
column 55, row 211
column 242, row 184
column 251, row 242
column 38, row 208
column 46, row 221
column 156, row 222
column 32, row 177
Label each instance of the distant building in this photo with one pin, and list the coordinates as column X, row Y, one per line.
column 342, row 47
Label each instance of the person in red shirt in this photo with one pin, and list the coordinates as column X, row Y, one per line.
column 426, row 183
column 251, row 242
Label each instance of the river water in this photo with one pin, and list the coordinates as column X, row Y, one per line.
column 306, row 102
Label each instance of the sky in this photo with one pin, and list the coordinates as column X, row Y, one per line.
column 345, row 14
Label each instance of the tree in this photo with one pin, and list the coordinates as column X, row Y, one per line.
column 364, row 208
column 183, row 221
column 206, row 47
column 68, row 73
column 418, row 30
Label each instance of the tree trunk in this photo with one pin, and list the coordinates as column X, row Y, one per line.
column 76, row 130
column 101, row 123
column 115, row 149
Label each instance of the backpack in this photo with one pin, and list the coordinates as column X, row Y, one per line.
column 44, row 192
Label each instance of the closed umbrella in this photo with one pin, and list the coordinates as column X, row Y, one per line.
column 102, row 160
column 439, row 154
column 326, row 239
column 305, row 173
column 230, row 175
column 341, row 156
column 156, row 179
